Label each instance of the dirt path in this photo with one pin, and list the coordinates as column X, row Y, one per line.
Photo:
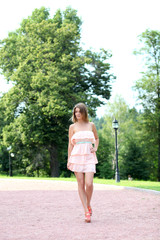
column 51, row 210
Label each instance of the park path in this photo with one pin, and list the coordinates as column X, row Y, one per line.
column 51, row 210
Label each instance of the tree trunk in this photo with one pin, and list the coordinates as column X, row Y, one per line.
column 54, row 165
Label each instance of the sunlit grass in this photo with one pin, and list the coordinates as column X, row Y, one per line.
column 138, row 184
column 126, row 183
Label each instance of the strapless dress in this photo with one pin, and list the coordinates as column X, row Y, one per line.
column 82, row 159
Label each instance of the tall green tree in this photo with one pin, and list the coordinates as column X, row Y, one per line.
column 148, row 88
column 104, row 154
column 134, row 162
column 129, row 132
column 50, row 73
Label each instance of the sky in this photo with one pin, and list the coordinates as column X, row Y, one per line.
column 110, row 24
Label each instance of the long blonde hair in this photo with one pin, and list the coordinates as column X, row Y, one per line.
column 83, row 111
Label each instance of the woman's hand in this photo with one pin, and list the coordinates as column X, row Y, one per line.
column 68, row 164
column 93, row 149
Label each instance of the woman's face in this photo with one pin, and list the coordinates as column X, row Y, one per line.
column 78, row 114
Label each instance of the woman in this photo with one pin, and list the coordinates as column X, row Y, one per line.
column 82, row 158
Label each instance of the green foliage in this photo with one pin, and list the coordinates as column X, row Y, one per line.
column 129, row 140
column 148, row 88
column 4, row 159
column 104, row 166
column 98, row 122
column 134, row 163
column 150, row 41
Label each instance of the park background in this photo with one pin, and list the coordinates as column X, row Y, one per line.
column 114, row 26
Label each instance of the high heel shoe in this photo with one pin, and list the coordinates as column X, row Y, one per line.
column 90, row 210
column 87, row 217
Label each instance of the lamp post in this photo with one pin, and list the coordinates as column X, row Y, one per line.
column 12, row 156
column 115, row 126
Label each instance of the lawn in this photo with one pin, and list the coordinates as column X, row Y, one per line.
column 138, row 184
column 126, row 183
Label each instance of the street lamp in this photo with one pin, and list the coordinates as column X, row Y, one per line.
column 115, row 126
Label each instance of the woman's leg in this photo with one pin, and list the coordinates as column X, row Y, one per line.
column 89, row 186
column 81, row 189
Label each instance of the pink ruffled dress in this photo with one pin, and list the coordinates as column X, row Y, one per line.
column 81, row 159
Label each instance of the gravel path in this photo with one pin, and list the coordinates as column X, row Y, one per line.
column 51, row 210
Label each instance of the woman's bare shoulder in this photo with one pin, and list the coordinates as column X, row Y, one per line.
column 72, row 127
column 71, row 131
column 92, row 125
column 94, row 130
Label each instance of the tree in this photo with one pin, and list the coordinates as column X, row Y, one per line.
column 129, row 132
column 104, row 155
column 149, row 91
column 134, row 162
column 51, row 73
column 4, row 162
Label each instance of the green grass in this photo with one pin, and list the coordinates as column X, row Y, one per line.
column 126, row 183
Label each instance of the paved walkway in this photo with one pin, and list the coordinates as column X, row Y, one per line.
column 51, row 210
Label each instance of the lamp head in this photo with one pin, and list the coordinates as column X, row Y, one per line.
column 115, row 124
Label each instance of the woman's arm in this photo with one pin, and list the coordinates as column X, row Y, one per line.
column 70, row 145
column 94, row 149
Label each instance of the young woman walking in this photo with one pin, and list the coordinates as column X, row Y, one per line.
column 82, row 158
